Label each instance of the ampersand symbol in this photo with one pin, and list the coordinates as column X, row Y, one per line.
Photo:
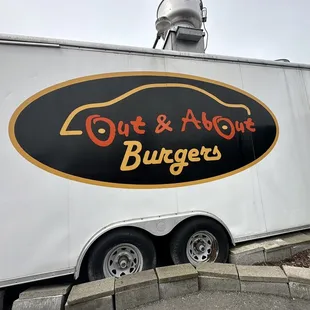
column 162, row 124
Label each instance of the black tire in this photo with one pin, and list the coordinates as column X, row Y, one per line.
column 183, row 233
column 129, row 236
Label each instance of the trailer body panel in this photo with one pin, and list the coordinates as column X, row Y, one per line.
column 48, row 221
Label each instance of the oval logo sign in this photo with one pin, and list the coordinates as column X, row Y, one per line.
column 143, row 130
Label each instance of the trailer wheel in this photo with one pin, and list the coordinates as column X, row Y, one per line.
column 123, row 252
column 199, row 240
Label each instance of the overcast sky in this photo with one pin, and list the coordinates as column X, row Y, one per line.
column 267, row 29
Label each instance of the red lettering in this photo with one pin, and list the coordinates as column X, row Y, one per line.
column 163, row 124
column 190, row 118
column 206, row 123
column 137, row 124
column 121, row 131
column 250, row 125
column 239, row 127
column 94, row 119
column 217, row 120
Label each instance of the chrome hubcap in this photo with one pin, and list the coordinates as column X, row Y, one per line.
column 202, row 246
column 122, row 260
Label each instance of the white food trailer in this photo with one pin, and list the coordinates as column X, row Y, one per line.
column 105, row 148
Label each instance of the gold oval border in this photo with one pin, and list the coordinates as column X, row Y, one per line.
column 122, row 74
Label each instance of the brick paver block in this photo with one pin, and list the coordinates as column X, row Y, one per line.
column 298, row 238
column 90, row 291
column 298, row 290
column 271, row 288
column 103, row 303
column 50, row 303
column 136, row 297
column 135, row 290
column 218, row 270
column 297, row 274
column 45, row 291
column 262, row 274
column 176, row 273
column 246, row 248
column 137, row 280
column 207, row 283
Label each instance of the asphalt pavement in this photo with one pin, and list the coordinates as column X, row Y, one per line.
column 228, row 301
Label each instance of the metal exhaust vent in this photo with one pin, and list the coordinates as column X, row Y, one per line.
column 179, row 23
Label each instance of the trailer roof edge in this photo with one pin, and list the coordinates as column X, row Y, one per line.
column 52, row 42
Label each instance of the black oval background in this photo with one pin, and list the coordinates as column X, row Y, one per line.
column 35, row 127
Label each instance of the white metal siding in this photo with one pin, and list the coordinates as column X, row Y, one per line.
column 46, row 221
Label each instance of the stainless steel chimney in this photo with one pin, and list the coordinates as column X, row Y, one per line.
column 179, row 24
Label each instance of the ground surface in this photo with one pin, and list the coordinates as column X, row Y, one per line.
column 228, row 301
column 299, row 260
